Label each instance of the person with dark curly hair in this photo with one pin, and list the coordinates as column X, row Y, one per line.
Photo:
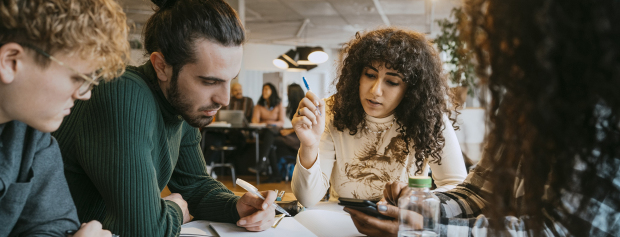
column 388, row 120
column 552, row 163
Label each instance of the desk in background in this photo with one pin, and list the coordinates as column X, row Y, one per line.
column 255, row 133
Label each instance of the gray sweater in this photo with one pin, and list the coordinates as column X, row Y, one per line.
column 34, row 196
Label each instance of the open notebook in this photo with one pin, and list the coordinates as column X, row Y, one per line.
column 306, row 223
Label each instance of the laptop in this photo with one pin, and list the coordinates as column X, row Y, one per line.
column 236, row 118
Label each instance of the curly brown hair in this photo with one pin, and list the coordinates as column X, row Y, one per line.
column 552, row 68
column 419, row 115
column 94, row 30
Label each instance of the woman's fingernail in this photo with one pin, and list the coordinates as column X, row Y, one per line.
column 382, row 208
column 241, row 222
column 265, row 206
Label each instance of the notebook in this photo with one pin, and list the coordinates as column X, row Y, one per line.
column 325, row 219
column 289, row 226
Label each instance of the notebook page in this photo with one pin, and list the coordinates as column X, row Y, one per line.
column 328, row 223
column 287, row 227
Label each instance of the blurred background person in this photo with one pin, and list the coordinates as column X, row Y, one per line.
column 240, row 102
column 286, row 142
column 233, row 137
column 269, row 111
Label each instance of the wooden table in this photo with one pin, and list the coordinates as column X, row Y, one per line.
column 287, row 196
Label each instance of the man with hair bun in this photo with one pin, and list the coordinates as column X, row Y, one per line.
column 52, row 53
column 139, row 133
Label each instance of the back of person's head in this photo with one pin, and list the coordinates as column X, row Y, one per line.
column 420, row 112
column 274, row 98
column 295, row 95
column 93, row 30
column 553, row 71
column 177, row 24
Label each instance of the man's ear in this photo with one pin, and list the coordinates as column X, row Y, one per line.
column 163, row 70
column 11, row 56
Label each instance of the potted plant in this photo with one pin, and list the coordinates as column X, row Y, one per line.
column 459, row 64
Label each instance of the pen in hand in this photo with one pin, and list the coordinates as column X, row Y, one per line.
column 308, row 88
column 250, row 188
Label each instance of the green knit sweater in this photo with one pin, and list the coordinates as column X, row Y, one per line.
column 123, row 146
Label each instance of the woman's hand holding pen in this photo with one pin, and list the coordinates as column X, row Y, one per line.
column 309, row 124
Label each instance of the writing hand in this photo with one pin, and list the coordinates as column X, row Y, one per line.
column 256, row 214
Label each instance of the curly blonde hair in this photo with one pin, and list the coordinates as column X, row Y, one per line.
column 94, row 30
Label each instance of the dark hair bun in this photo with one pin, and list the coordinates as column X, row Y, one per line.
column 163, row 4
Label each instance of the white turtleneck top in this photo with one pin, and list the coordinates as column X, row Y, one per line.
column 358, row 166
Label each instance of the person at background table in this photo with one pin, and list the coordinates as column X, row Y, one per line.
column 52, row 52
column 550, row 167
column 269, row 110
column 139, row 133
column 286, row 142
column 240, row 102
column 236, row 138
column 388, row 120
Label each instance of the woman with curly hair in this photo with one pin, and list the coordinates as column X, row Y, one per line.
column 552, row 163
column 387, row 121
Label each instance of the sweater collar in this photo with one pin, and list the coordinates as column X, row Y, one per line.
column 149, row 75
column 379, row 120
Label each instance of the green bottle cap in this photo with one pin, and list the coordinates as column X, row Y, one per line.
column 420, row 182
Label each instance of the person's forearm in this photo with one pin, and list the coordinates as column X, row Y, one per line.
column 279, row 123
column 308, row 155
column 207, row 198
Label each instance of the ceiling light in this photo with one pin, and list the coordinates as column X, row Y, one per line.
column 298, row 60
column 304, row 52
column 318, row 57
column 280, row 63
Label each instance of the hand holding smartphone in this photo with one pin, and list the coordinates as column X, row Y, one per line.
column 365, row 206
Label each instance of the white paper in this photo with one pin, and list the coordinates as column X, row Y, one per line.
column 287, row 227
column 324, row 219
column 328, row 223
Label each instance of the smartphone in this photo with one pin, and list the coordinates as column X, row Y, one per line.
column 365, row 206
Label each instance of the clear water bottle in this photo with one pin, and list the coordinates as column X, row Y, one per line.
column 419, row 209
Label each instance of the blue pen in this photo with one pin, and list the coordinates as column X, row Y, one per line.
column 308, row 88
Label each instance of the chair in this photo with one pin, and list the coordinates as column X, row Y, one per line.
column 223, row 163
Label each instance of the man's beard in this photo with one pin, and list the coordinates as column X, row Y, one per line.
column 183, row 106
